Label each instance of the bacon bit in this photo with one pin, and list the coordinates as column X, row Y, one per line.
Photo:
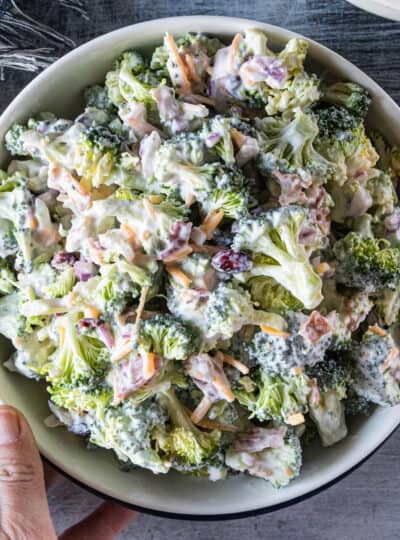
column 228, row 359
column 91, row 312
column 273, row 331
column 322, row 268
column 233, row 50
column 122, row 352
column 140, row 308
column 314, row 392
column 204, row 248
column 171, row 45
column 238, row 138
column 377, row 330
column 201, row 410
column 189, row 61
column 155, row 199
column 316, row 327
column 149, row 365
column 295, row 419
column 178, row 275
column 211, row 222
column 129, row 232
column 178, row 255
column 149, row 208
column 393, row 354
column 61, row 333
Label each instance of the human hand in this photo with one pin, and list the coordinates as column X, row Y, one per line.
column 24, row 511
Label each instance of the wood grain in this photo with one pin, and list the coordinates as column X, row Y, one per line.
column 365, row 504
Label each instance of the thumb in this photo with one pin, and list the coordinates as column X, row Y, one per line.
column 24, row 512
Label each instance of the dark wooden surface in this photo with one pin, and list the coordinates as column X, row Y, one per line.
column 365, row 505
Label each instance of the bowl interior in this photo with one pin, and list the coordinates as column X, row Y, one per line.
column 59, row 89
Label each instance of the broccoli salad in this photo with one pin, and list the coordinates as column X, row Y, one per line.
column 204, row 265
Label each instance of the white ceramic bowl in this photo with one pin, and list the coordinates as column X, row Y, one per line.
column 59, row 89
column 390, row 9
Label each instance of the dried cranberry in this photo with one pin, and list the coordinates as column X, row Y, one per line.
column 84, row 325
column 231, row 262
column 63, row 257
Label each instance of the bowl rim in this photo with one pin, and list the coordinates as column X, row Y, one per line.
column 221, row 517
column 378, row 8
column 200, row 22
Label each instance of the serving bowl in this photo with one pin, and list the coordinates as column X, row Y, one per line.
column 59, row 89
column 390, row 9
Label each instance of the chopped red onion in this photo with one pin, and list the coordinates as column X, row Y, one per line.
column 258, row 439
column 105, row 335
column 84, row 269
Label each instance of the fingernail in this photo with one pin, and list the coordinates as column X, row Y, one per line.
column 9, row 426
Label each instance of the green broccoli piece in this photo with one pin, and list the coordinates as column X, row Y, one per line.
column 167, row 336
column 275, row 235
column 342, row 140
column 271, row 296
column 366, row 262
column 376, row 368
column 283, row 398
column 220, row 126
column 350, row 95
column 97, row 96
column 277, row 465
column 357, row 406
column 229, row 307
column 287, row 144
column 184, row 443
column 327, row 410
column 62, row 285
column 127, row 430
column 8, row 281
column 14, row 142
column 300, row 92
column 383, row 195
column 79, row 359
column 387, row 305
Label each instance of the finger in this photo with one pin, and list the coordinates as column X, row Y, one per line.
column 51, row 476
column 24, row 511
column 105, row 523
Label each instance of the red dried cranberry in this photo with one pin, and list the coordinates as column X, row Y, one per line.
column 84, row 325
column 63, row 257
column 231, row 262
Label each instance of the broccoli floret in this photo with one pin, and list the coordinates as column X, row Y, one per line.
column 275, row 235
column 32, row 353
column 184, row 443
column 7, row 278
column 279, row 352
column 376, row 368
column 213, row 185
column 16, row 208
column 127, row 429
column 97, row 96
column 13, row 140
column 357, row 406
column 131, row 80
column 298, row 93
column 387, row 304
column 219, row 129
column 282, row 398
column 366, row 262
column 229, row 307
column 383, row 196
column 342, row 140
column 327, row 409
column 80, row 358
column 167, row 336
column 287, row 144
column 63, row 284
column 277, row 464
column 272, row 296
column 350, row 95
